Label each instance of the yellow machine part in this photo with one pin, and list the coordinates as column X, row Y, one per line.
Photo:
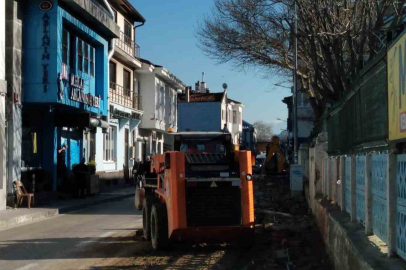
column 274, row 149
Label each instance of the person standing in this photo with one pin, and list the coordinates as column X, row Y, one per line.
column 61, row 165
column 81, row 172
column 137, row 168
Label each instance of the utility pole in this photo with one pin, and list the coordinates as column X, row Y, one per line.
column 295, row 142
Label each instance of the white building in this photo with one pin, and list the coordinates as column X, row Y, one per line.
column 158, row 88
column 114, row 147
column 234, row 114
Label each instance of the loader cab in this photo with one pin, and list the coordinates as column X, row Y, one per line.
column 207, row 154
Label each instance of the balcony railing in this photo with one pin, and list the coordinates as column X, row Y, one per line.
column 126, row 44
column 124, row 97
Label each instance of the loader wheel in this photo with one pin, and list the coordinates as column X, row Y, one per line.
column 146, row 217
column 159, row 226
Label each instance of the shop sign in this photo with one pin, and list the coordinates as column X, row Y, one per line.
column 45, row 5
column 77, row 94
column 76, row 82
column 46, row 42
column 397, row 90
column 122, row 114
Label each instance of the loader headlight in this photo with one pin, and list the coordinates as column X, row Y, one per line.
column 249, row 177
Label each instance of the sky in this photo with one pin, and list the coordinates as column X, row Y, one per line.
column 168, row 39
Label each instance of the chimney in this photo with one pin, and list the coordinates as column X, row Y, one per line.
column 188, row 94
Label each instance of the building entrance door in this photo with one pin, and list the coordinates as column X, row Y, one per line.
column 126, row 148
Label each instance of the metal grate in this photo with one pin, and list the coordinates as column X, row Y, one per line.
column 213, row 206
column 401, row 206
column 360, row 188
column 204, row 158
column 348, row 184
column 379, row 201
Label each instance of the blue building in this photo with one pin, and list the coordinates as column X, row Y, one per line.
column 66, row 47
column 249, row 136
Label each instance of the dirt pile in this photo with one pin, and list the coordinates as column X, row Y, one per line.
column 286, row 234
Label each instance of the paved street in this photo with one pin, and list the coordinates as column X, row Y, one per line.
column 102, row 236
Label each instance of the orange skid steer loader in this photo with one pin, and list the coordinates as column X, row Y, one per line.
column 206, row 196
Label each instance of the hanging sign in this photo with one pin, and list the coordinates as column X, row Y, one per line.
column 77, row 93
column 45, row 5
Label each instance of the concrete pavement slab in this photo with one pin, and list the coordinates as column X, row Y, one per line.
column 14, row 217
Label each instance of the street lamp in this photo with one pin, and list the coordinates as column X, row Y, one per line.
column 281, row 120
column 282, row 86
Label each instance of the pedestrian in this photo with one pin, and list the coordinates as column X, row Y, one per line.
column 81, row 171
column 61, row 166
column 147, row 167
column 137, row 168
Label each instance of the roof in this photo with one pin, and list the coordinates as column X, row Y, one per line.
column 202, row 97
column 131, row 11
column 236, row 102
column 199, row 134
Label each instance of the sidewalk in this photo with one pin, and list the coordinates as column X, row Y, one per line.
column 15, row 217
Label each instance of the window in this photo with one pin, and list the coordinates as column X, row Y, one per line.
column 92, row 151
column 112, row 75
column 127, row 82
column 92, row 61
column 65, row 37
column 303, row 100
column 234, row 117
column 222, row 114
column 80, row 55
column 127, row 32
column 72, row 52
column 86, row 67
column 108, row 145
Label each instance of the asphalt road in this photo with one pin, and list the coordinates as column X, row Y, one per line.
column 95, row 238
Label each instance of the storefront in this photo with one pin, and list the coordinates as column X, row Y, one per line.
column 65, row 86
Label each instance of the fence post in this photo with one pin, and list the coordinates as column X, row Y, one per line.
column 342, row 180
column 336, row 164
column 391, row 171
column 323, row 169
column 353, row 190
column 368, row 194
column 330, row 186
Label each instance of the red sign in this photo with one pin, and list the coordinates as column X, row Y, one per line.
column 45, row 5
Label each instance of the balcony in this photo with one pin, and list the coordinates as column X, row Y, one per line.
column 124, row 97
column 127, row 45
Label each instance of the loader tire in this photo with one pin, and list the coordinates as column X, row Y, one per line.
column 146, row 216
column 159, row 226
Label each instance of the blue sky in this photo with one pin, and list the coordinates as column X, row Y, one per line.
column 168, row 39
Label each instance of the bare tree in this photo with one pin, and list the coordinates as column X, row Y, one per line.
column 264, row 130
column 335, row 38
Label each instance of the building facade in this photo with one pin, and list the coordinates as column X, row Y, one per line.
column 159, row 90
column 3, row 92
column 66, row 50
column 200, row 110
column 114, row 155
column 249, row 136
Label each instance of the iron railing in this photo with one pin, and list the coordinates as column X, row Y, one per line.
column 126, row 44
column 124, row 97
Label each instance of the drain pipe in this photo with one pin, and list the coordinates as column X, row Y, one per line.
column 110, row 55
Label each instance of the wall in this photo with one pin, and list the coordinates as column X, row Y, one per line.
column 42, row 73
column 3, row 91
column 199, row 116
column 14, row 55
